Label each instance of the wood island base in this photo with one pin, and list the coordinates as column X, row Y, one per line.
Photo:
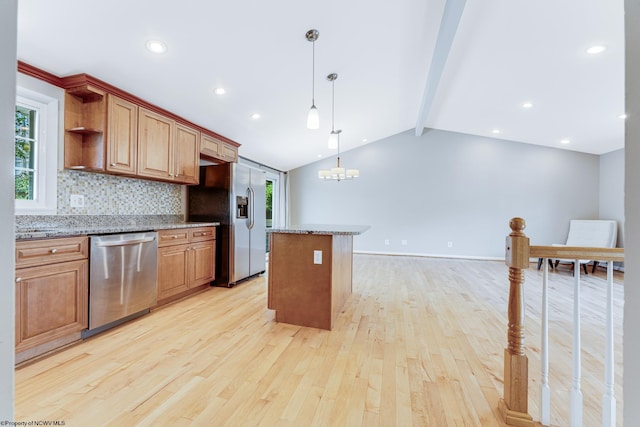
column 310, row 277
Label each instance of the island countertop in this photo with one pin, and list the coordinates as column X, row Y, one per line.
column 326, row 229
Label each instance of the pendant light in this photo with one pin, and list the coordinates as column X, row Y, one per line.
column 313, row 119
column 333, row 136
column 338, row 173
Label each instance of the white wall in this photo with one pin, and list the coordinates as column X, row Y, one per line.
column 8, row 34
column 450, row 187
column 612, row 190
column 631, row 380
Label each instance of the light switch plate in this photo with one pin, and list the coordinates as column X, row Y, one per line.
column 317, row 257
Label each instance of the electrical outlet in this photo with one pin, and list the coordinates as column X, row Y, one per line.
column 387, row 242
column 449, row 244
column 77, row 201
column 404, row 242
column 317, row 257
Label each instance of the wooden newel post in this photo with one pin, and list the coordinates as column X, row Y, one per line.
column 513, row 406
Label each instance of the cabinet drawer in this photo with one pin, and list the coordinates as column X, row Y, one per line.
column 173, row 237
column 204, row 233
column 48, row 251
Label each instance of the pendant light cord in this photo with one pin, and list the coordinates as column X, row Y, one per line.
column 333, row 103
column 313, row 73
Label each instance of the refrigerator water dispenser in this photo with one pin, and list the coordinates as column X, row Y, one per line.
column 242, row 204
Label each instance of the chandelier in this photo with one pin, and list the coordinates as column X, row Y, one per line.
column 338, row 173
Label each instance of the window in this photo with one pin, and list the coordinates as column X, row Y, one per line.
column 27, row 141
column 35, row 153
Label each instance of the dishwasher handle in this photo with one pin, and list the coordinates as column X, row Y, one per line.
column 125, row 242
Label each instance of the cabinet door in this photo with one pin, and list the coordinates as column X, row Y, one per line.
column 122, row 136
column 172, row 270
column 155, row 145
column 187, row 155
column 202, row 263
column 209, row 146
column 229, row 153
column 51, row 302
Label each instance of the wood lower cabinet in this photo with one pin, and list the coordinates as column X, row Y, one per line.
column 51, row 294
column 186, row 261
column 201, row 263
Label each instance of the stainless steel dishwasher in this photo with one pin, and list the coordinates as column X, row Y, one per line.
column 123, row 275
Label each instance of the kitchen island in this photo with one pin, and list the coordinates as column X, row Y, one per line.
column 310, row 272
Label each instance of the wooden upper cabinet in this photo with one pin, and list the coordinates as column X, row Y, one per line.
column 229, row 153
column 110, row 131
column 186, row 155
column 217, row 149
column 210, row 146
column 122, row 136
column 84, row 125
column 156, row 135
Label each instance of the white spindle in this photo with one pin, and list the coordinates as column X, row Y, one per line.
column 608, row 398
column 545, row 392
column 576, row 394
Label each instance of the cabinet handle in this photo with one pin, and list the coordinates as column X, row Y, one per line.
column 18, row 279
column 113, row 164
column 53, row 251
column 174, row 237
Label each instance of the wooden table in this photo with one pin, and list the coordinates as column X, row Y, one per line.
column 310, row 272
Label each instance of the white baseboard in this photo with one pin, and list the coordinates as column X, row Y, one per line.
column 473, row 257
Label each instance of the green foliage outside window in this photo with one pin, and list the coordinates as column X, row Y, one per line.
column 269, row 194
column 24, row 153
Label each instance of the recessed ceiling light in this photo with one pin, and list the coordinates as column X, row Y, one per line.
column 593, row 50
column 564, row 141
column 622, row 116
column 156, row 46
column 496, row 131
column 255, row 116
column 220, row 91
column 319, row 155
column 527, row 105
column 364, row 139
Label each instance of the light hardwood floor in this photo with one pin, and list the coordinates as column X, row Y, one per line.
column 419, row 343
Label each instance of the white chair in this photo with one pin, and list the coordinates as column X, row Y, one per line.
column 590, row 233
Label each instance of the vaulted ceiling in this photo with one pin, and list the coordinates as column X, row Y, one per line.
column 400, row 66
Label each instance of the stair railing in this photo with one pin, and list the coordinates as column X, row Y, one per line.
column 514, row 404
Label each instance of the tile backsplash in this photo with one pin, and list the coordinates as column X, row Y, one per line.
column 115, row 195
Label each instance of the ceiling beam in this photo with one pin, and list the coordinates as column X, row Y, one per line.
column 448, row 27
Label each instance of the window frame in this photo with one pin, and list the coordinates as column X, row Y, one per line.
column 46, row 148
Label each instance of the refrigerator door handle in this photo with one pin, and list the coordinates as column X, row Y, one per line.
column 251, row 207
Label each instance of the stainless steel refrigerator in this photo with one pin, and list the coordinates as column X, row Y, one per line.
column 233, row 195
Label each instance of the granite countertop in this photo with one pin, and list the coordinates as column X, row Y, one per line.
column 331, row 229
column 51, row 226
